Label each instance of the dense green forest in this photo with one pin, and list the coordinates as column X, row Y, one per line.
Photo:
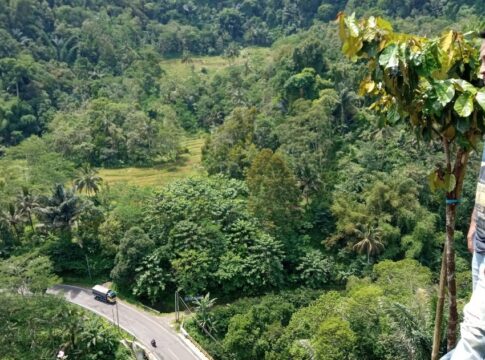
column 38, row 327
column 312, row 228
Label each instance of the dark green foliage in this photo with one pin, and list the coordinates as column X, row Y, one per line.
column 133, row 247
column 315, row 270
column 273, row 192
column 210, row 241
column 153, row 275
column 230, row 150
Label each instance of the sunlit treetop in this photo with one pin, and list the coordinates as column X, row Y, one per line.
column 432, row 84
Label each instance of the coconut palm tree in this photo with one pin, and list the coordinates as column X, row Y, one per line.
column 61, row 210
column 27, row 203
column 14, row 218
column 370, row 240
column 410, row 331
column 88, row 180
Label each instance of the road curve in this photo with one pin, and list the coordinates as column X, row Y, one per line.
column 144, row 325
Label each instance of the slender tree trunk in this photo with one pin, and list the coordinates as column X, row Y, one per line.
column 16, row 232
column 450, row 275
column 459, row 172
column 342, row 116
column 87, row 264
column 31, row 222
column 439, row 308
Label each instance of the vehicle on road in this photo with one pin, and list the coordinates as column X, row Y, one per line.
column 104, row 294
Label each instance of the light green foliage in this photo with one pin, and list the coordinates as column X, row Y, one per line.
column 303, row 85
column 239, row 337
column 303, row 325
column 362, row 308
column 371, row 321
column 395, row 278
column 203, row 309
column 26, row 274
column 334, row 340
column 409, row 334
column 34, row 165
column 256, row 325
column 126, row 203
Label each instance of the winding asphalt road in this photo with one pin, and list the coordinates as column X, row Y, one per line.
column 141, row 324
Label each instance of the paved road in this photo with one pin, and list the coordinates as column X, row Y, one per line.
column 141, row 324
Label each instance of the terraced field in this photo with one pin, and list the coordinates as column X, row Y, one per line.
column 176, row 69
column 188, row 165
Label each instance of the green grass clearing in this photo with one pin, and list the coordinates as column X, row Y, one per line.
column 175, row 68
column 189, row 165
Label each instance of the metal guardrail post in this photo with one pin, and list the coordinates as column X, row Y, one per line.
column 177, row 315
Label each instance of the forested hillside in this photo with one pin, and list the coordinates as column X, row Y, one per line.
column 311, row 222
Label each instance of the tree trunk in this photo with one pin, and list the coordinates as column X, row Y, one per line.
column 87, row 264
column 17, row 234
column 458, row 171
column 31, row 222
column 439, row 309
column 450, row 275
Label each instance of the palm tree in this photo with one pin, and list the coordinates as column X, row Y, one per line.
column 410, row 331
column 72, row 322
column 27, row 203
column 370, row 240
column 61, row 210
column 88, row 180
column 13, row 217
column 80, row 242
